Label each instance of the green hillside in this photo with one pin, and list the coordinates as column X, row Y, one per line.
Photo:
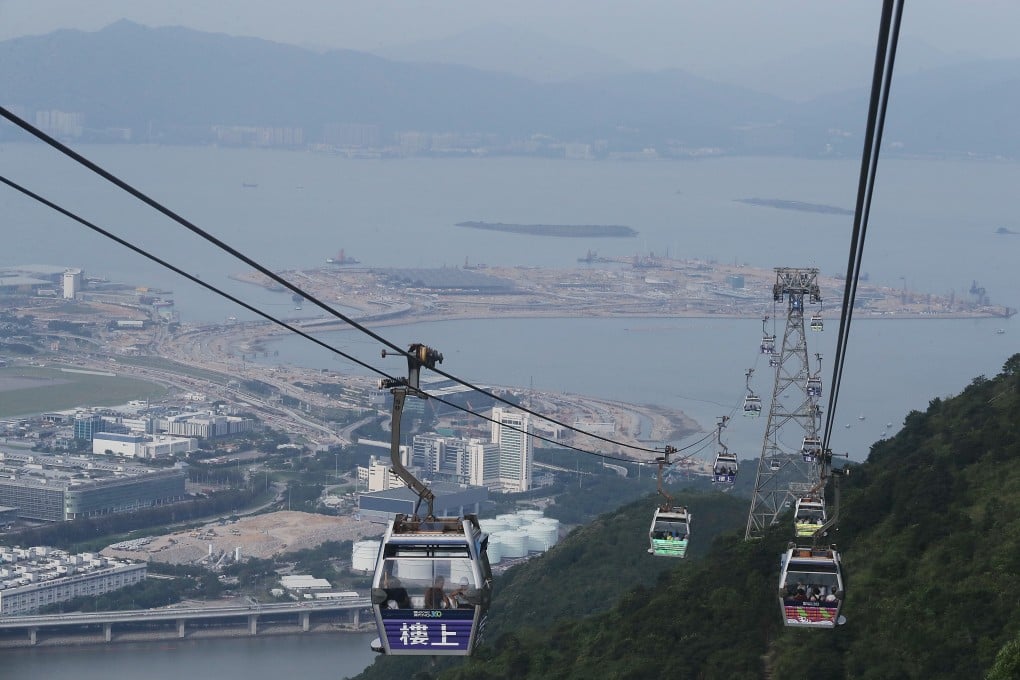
column 930, row 535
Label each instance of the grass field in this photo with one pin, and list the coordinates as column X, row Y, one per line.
column 67, row 390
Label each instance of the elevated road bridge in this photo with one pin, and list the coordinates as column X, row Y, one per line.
column 247, row 615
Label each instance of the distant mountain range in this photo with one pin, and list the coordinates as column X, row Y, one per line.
column 173, row 84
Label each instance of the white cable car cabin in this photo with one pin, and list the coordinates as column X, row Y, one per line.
column 775, row 464
column 811, row 449
column 816, row 322
column 432, row 586
column 670, row 532
column 752, row 406
column 811, row 587
column 773, row 360
column 808, row 515
column 814, row 386
column 724, row 470
column 768, row 344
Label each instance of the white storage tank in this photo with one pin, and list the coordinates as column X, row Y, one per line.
column 460, row 573
column 495, row 550
column 411, row 570
column 493, row 526
column 529, row 515
column 541, row 538
column 514, row 544
column 364, row 555
column 510, row 520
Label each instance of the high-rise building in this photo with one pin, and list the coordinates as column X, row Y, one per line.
column 484, row 463
column 72, row 280
column 86, row 425
column 427, row 451
column 511, row 431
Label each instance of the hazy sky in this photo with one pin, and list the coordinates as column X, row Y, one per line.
column 645, row 33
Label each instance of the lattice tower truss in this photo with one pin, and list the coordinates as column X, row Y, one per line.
column 794, row 415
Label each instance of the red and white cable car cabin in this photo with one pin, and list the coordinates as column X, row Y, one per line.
column 811, row 587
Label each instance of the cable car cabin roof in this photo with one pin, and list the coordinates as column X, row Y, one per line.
column 677, row 512
column 444, row 533
column 406, row 526
column 730, row 457
column 812, row 559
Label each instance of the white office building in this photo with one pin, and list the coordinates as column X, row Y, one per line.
column 139, row 445
column 511, row 431
column 31, row 578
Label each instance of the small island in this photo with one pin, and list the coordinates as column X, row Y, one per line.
column 568, row 230
column 1005, row 230
column 795, row 205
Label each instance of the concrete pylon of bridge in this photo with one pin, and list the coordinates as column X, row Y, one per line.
column 304, row 619
column 180, row 628
column 108, row 632
column 783, row 474
column 253, row 624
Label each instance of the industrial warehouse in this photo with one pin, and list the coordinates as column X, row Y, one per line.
column 58, row 488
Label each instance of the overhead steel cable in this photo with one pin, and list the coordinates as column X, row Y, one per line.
column 210, row 287
column 885, row 57
column 156, row 205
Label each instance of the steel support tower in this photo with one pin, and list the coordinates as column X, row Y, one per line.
column 794, row 415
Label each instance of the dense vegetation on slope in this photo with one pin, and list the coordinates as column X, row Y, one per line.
column 930, row 535
column 586, row 573
column 931, row 531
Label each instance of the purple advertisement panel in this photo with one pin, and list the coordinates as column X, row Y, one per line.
column 428, row 631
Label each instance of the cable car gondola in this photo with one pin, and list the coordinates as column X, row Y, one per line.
column 811, row 449
column 724, row 470
column 432, row 582
column 808, row 516
column 752, row 402
column 768, row 342
column 816, row 322
column 670, row 532
column 431, row 586
column 752, row 406
column 811, row 587
column 814, row 386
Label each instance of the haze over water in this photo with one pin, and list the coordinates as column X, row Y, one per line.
column 932, row 230
column 932, row 223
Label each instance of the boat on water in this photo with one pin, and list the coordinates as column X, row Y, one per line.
column 860, row 417
column 249, row 185
column 1000, row 331
column 342, row 259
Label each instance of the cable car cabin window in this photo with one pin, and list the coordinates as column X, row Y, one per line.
column 439, row 583
column 669, row 529
column 801, row 584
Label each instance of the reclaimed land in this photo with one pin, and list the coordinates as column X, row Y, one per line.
column 568, row 230
column 796, row 205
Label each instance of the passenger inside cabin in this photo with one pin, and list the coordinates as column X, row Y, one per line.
column 435, row 598
column 458, row 598
column 396, row 594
